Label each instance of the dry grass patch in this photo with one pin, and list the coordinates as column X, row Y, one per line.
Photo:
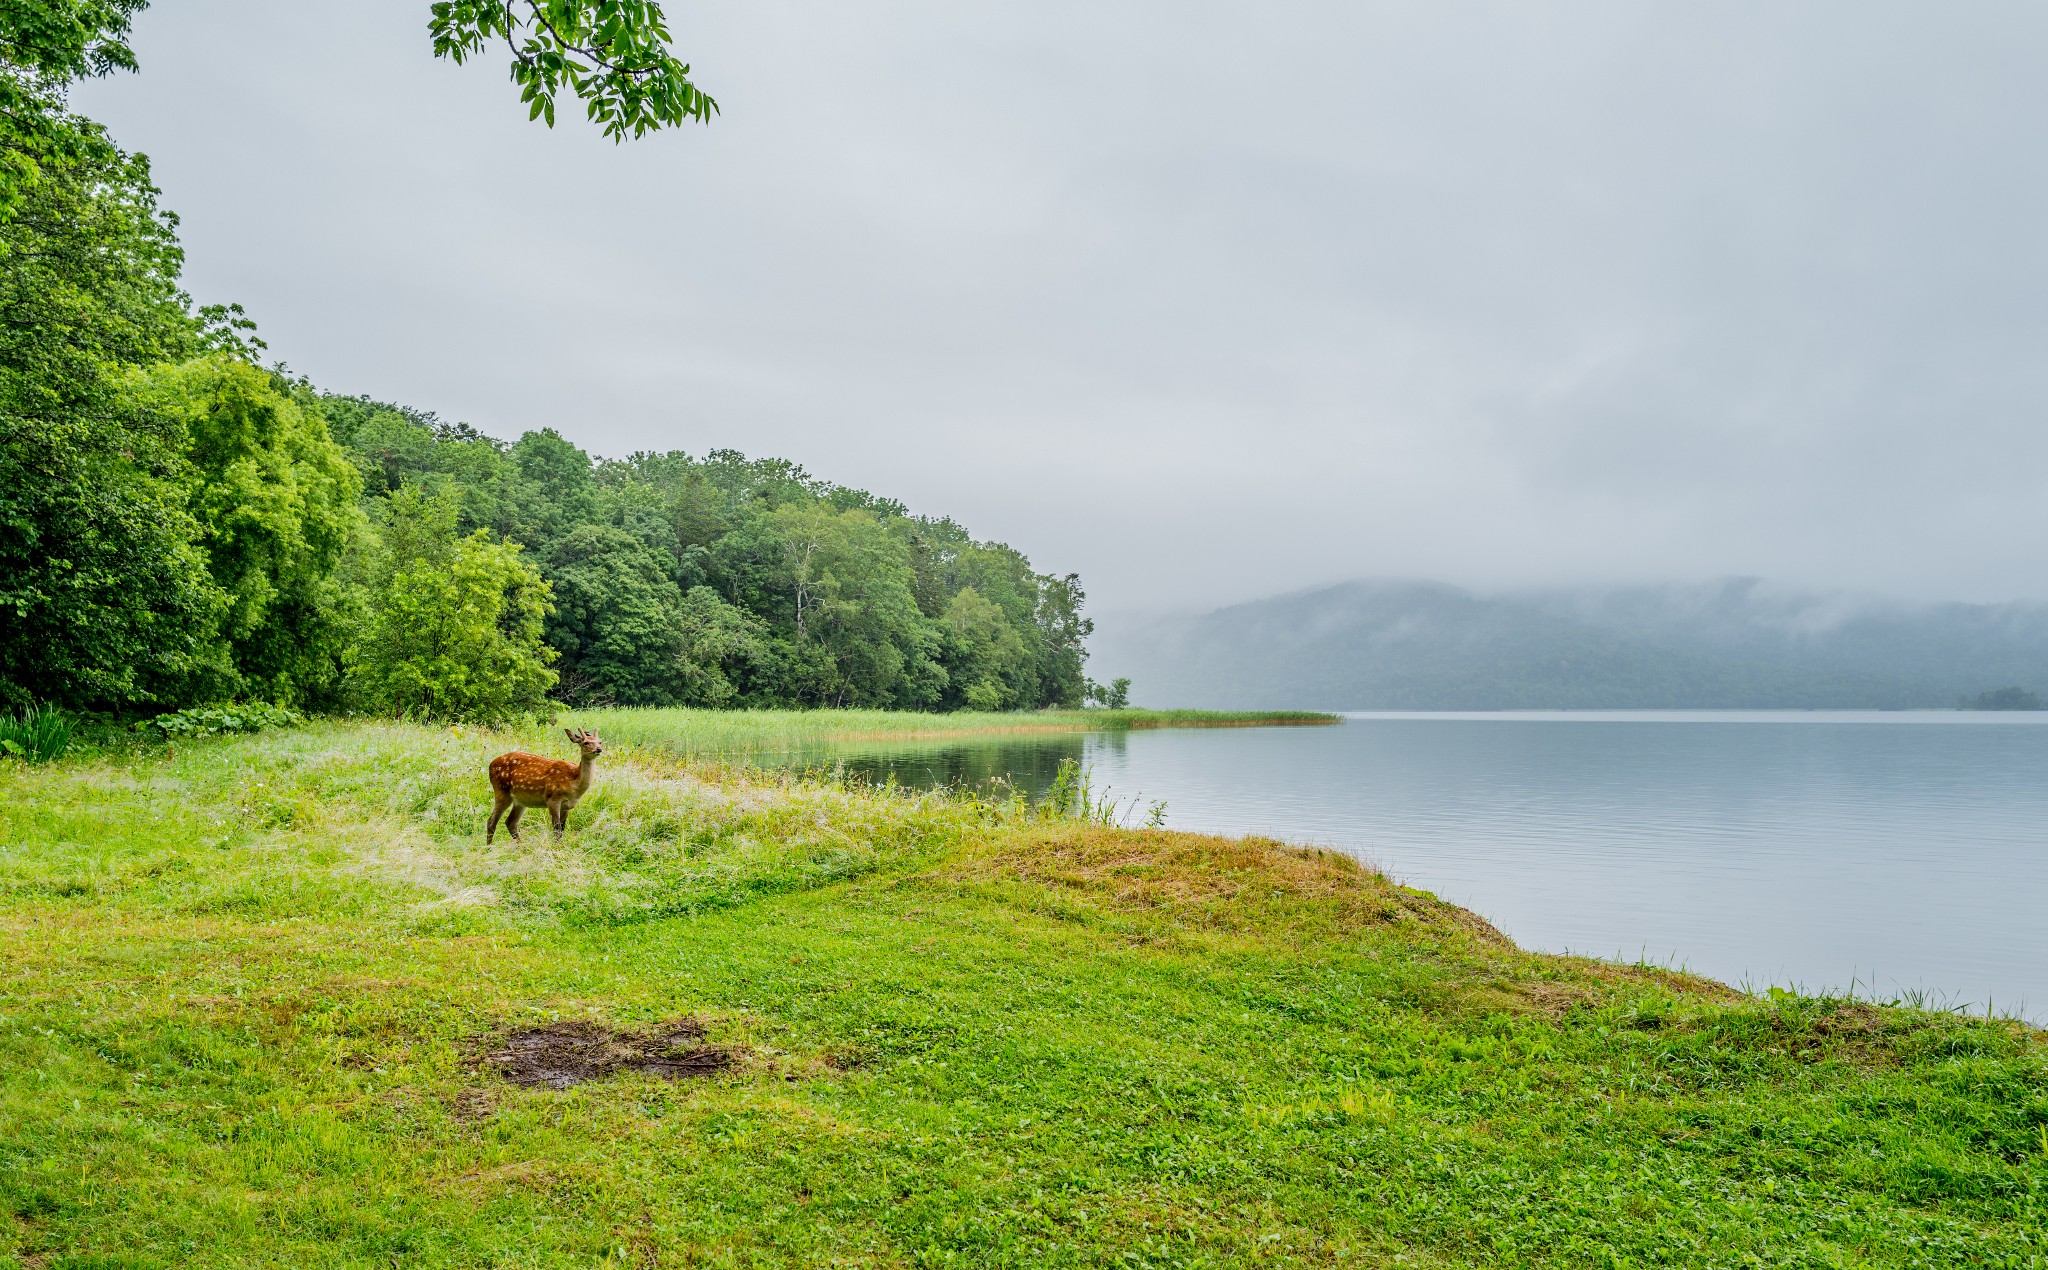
column 1223, row 883
column 1578, row 982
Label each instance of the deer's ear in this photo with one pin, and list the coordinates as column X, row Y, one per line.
column 571, row 734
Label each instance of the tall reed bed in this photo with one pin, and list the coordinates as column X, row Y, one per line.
column 730, row 733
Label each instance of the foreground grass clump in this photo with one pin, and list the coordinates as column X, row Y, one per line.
column 244, row 984
column 38, row 734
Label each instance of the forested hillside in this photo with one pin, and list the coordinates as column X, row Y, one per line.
column 197, row 529
column 673, row 580
column 1736, row 643
column 180, row 526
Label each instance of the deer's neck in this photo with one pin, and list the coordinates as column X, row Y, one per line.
column 583, row 773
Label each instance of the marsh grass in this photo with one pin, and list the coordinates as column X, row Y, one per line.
column 734, row 734
column 243, row 979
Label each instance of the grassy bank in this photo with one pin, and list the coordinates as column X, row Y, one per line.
column 245, row 983
column 723, row 733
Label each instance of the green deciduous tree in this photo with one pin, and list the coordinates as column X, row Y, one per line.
column 455, row 621
column 987, row 664
column 856, row 636
column 1063, row 639
column 617, row 620
column 552, row 491
column 45, row 45
column 724, row 652
column 275, row 501
column 1114, row 695
column 105, row 598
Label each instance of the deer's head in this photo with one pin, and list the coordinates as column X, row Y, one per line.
column 585, row 741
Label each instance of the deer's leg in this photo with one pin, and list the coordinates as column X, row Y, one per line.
column 499, row 802
column 512, row 821
column 558, row 816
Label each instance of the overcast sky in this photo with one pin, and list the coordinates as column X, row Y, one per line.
column 1203, row 300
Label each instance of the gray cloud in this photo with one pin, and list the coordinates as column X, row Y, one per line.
column 1203, row 300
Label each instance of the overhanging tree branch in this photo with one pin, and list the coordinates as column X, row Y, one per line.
column 614, row 54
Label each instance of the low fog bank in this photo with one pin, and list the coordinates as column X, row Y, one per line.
column 1737, row 643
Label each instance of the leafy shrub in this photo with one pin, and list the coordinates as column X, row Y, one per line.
column 219, row 720
column 1115, row 695
column 455, row 624
column 37, row 735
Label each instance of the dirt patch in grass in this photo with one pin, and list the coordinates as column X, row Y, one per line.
column 472, row 1105
column 563, row 1054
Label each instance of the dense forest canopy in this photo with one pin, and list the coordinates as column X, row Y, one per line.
column 724, row 580
column 179, row 526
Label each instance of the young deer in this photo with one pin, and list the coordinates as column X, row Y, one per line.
column 527, row 780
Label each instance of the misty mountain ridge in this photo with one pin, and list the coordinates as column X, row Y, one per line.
column 1736, row 643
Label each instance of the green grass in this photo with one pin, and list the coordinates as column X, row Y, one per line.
column 729, row 733
column 239, row 978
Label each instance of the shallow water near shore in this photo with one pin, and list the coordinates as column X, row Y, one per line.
column 1901, row 852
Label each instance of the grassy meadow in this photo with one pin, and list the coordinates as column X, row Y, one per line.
column 245, row 981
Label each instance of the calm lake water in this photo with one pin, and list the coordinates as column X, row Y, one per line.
column 1900, row 851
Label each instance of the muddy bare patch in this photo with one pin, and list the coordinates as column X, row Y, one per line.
column 564, row 1054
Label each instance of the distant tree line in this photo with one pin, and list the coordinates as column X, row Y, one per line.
column 179, row 527
column 2003, row 699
